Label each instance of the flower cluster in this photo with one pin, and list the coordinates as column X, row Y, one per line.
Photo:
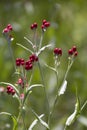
column 20, row 82
column 8, row 28
column 33, row 26
column 45, row 24
column 6, row 32
column 10, row 90
column 28, row 65
column 73, row 51
column 58, row 51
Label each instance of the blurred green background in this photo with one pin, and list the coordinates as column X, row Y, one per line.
column 68, row 20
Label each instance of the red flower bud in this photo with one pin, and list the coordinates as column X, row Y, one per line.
column 74, row 48
column 70, row 52
column 76, row 53
column 58, row 51
column 47, row 24
column 35, row 25
column 5, row 30
column 44, row 21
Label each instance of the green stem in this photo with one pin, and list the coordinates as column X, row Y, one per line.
column 41, row 39
column 84, row 105
column 54, row 104
column 47, row 101
column 65, row 128
column 20, row 114
column 11, row 53
column 24, row 122
column 68, row 68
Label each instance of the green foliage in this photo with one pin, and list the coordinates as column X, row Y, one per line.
column 68, row 26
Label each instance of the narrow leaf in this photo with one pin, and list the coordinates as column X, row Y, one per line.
column 40, row 120
column 62, row 88
column 74, row 115
column 71, row 118
column 25, row 48
column 51, row 68
column 43, row 48
column 33, row 86
column 35, row 122
column 30, row 89
column 44, row 123
column 29, row 41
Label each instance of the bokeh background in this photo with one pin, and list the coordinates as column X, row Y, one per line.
column 68, row 20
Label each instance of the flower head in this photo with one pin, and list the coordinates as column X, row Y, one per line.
column 10, row 90
column 45, row 25
column 8, row 28
column 58, row 51
column 73, row 51
column 34, row 26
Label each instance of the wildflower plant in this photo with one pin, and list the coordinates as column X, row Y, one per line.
column 22, row 88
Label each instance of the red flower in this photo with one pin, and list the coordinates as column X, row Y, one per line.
column 45, row 24
column 33, row 58
column 73, row 51
column 28, row 65
column 10, row 90
column 8, row 28
column 58, row 51
column 33, row 26
column 70, row 52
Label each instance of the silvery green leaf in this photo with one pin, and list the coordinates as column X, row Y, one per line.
column 62, row 88
column 33, row 86
column 51, row 68
column 44, row 123
column 29, row 41
column 40, row 120
column 29, row 89
column 25, row 48
column 71, row 118
column 74, row 115
column 43, row 48
column 35, row 122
